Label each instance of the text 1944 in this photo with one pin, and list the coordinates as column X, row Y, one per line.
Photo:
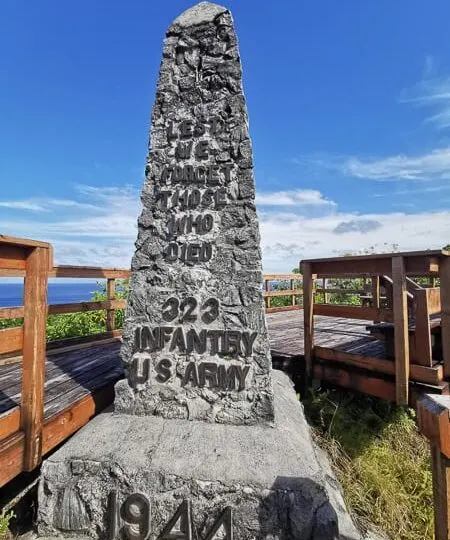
column 131, row 520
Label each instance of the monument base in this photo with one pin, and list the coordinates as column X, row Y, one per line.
column 193, row 479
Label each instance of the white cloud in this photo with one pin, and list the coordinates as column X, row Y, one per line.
column 298, row 197
column 98, row 227
column 286, row 241
column 432, row 93
column 105, row 235
column 430, row 166
column 434, row 165
column 22, row 205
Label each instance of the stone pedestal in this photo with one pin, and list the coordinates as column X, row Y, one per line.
column 244, row 481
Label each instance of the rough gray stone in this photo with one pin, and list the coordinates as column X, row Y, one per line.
column 271, row 476
column 181, row 363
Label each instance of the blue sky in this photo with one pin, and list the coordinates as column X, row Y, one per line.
column 349, row 106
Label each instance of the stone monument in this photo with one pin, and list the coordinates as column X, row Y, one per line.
column 205, row 441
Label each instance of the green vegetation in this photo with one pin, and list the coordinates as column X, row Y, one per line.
column 5, row 519
column 346, row 298
column 381, row 460
column 79, row 324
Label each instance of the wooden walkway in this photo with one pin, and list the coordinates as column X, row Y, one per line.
column 347, row 335
column 69, row 377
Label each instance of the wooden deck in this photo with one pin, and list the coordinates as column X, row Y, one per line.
column 347, row 335
column 69, row 377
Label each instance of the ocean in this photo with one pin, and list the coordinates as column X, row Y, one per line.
column 11, row 294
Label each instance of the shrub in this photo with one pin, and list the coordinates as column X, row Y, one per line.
column 380, row 458
column 5, row 519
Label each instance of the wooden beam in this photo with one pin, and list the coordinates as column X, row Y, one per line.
column 353, row 312
column 110, row 312
column 33, row 363
column 11, row 340
column 422, row 336
column 379, row 385
column 11, row 313
column 284, row 292
column 345, row 378
column 339, row 291
column 325, row 291
column 308, row 318
column 283, row 308
column 89, row 272
column 445, row 313
column 292, row 285
column 59, row 427
column 267, row 289
column 376, row 296
column 434, row 422
column 23, row 242
column 421, row 264
column 11, row 457
column 430, row 375
column 401, row 339
column 56, row 309
column 434, row 300
column 440, row 466
column 12, row 257
column 7, row 272
column 282, row 277
column 9, row 423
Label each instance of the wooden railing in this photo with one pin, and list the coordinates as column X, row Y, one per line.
column 21, row 431
column 293, row 293
column 35, row 259
column 406, row 303
column 433, row 417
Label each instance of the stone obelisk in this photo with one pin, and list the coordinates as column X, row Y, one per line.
column 205, row 441
column 195, row 342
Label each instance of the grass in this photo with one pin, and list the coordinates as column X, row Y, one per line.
column 381, row 460
column 5, row 518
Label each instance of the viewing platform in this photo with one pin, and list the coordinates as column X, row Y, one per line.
column 377, row 324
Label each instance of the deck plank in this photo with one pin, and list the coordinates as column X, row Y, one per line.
column 71, row 375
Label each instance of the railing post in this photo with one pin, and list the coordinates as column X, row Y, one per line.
column 423, row 347
column 376, row 293
column 267, row 289
column 401, row 337
column 293, row 295
column 433, row 418
column 325, row 294
column 444, row 274
column 110, row 313
column 308, row 319
column 34, row 344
